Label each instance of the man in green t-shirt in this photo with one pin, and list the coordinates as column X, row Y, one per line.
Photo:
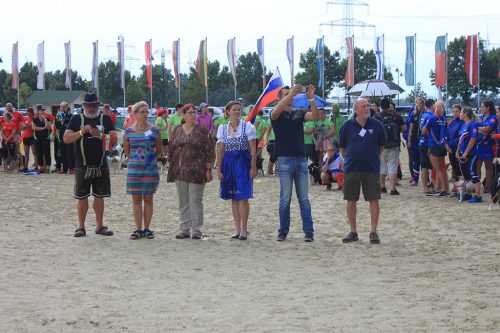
column 161, row 123
column 337, row 120
column 174, row 120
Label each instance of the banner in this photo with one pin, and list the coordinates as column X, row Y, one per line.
column 320, row 61
column 15, row 66
column 175, row 60
column 289, row 54
column 67, row 64
column 379, row 55
column 231, row 57
column 440, row 62
column 269, row 95
column 149, row 72
column 471, row 59
column 121, row 61
column 201, row 63
column 349, row 72
column 410, row 61
column 95, row 65
column 260, row 50
column 40, row 81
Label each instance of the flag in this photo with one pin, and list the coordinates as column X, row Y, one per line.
column 201, row 63
column 471, row 58
column 379, row 54
column 121, row 61
column 320, row 61
column 67, row 64
column 95, row 65
column 349, row 72
column 149, row 73
column 440, row 59
column 15, row 67
column 231, row 57
column 260, row 50
column 40, row 81
column 269, row 95
column 175, row 60
column 289, row 54
column 410, row 61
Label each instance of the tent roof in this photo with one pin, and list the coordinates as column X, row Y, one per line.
column 54, row 97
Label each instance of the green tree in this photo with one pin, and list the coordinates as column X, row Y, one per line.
column 220, row 86
column 28, row 74
column 162, row 84
column 416, row 92
column 24, row 93
column 7, row 95
column 310, row 74
column 109, row 83
column 365, row 66
column 249, row 76
column 134, row 92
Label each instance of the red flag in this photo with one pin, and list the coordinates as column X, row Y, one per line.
column 471, row 55
column 349, row 72
column 440, row 58
column 149, row 73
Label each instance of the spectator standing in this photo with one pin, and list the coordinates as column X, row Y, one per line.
column 42, row 126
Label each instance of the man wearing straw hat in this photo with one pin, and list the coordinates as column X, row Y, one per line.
column 88, row 131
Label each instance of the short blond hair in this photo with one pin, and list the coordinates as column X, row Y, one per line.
column 139, row 105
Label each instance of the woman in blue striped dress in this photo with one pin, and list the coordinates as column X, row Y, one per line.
column 142, row 144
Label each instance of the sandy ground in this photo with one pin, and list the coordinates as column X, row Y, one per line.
column 437, row 268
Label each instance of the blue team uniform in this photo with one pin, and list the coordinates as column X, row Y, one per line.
column 485, row 143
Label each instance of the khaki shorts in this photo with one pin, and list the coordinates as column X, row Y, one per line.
column 389, row 160
column 353, row 181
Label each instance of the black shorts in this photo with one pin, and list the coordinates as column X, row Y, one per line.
column 164, row 142
column 101, row 186
column 425, row 162
column 438, row 151
column 270, row 150
column 29, row 141
column 353, row 181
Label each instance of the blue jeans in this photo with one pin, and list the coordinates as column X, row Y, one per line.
column 293, row 169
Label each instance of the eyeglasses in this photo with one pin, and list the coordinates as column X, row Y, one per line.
column 330, row 150
column 190, row 112
column 143, row 112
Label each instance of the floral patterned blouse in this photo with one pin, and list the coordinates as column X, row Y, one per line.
column 189, row 155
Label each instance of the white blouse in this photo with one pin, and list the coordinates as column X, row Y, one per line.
column 249, row 131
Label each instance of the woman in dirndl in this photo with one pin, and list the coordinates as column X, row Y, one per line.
column 236, row 166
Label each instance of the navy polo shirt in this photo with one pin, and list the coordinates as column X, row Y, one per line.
column 289, row 132
column 362, row 145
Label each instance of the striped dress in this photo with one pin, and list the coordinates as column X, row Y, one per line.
column 142, row 170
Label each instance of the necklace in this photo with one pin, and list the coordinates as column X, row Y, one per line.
column 141, row 128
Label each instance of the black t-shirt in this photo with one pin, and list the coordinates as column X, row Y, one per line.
column 43, row 134
column 92, row 146
column 289, row 132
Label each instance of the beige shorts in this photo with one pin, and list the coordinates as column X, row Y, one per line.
column 389, row 160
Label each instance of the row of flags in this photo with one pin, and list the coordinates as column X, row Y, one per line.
column 441, row 44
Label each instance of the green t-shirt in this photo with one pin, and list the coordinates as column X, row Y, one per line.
column 174, row 121
column 160, row 122
column 308, row 138
column 221, row 121
column 258, row 120
column 271, row 135
column 338, row 120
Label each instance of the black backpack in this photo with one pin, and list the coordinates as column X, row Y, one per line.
column 392, row 130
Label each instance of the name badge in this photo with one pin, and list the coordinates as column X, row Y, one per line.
column 362, row 132
column 100, row 128
column 148, row 133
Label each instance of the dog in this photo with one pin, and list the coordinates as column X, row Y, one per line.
column 258, row 164
column 114, row 158
column 161, row 162
column 495, row 186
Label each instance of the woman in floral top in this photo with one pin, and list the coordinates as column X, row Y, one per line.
column 191, row 156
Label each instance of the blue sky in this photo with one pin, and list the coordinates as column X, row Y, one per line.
column 57, row 21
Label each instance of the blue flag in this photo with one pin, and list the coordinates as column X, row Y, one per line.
column 320, row 61
column 410, row 61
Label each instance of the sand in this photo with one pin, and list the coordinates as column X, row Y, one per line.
column 437, row 268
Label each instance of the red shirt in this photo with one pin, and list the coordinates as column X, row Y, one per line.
column 8, row 129
column 28, row 130
column 18, row 120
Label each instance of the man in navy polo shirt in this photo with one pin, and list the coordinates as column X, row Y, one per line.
column 362, row 140
column 288, row 126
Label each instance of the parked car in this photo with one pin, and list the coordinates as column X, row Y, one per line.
column 218, row 112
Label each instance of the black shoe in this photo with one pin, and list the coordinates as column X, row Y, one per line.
column 383, row 190
column 281, row 238
column 394, row 192
column 308, row 238
column 443, row 194
column 432, row 193
column 244, row 237
column 351, row 237
column 374, row 238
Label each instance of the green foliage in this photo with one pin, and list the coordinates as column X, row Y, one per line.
column 24, row 93
column 416, row 92
column 249, row 77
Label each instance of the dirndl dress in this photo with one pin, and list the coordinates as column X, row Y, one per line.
column 237, row 183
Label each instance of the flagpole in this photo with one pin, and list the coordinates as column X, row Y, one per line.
column 323, row 67
column 151, row 70
column 446, row 67
column 178, row 69
column 478, row 68
column 383, row 55
column 415, row 62
column 263, row 67
column 234, row 64
column 18, row 82
column 97, row 67
column 293, row 60
column 206, row 69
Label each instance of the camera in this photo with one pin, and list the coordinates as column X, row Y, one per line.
column 93, row 124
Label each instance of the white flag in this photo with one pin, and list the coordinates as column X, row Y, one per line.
column 67, row 54
column 40, row 82
column 95, row 65
column 290, row 56
column 379, row 55
column 15, row 67
column 231, row 57
column 121, row 61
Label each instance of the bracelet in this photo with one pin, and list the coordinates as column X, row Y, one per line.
column 310, row 99
column 81, row 133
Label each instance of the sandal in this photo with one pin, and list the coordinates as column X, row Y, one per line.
column 80, row 233
column 136, row 234
column 104, row 231
column 148, row 234
column 235, row 236
column 197, row 235
column 181, row 235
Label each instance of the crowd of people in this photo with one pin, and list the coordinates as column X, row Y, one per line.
column 304, row 148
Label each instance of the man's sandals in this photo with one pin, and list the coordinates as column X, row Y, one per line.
column 80, row 232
